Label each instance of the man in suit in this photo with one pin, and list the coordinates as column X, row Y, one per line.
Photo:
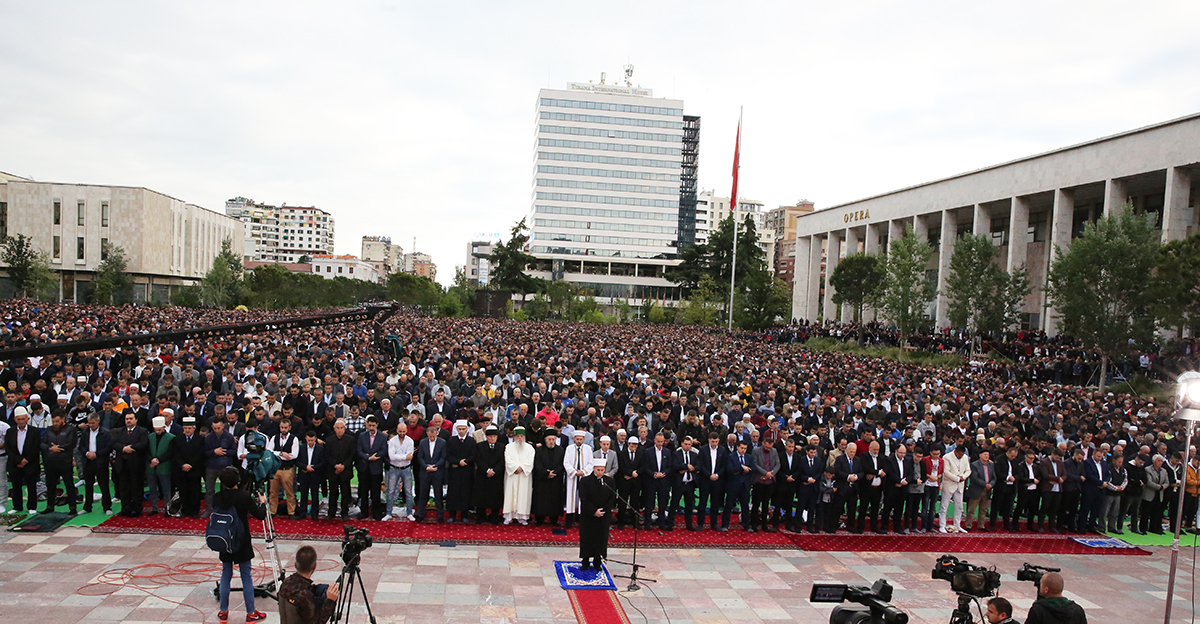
column 431, row 455
column 656, row 483
column 131, row 444
column 979, row 491
column 871, row 489
column 58, row 452
column 341, row 454
column 94, row 451
column 189, row 450
column 739, row 472
column 787, row 484
column 629, row 482
column 310, row 467
column 808, row 478
column 766, row 467
column 1095, row 475
column 684, row 483
column 898, row 474
column 957, row 469
column 23, row 446
column 604, row 454
column 712, row 478
column 1006, row 490
column 1052, row 474
column 846, row 469
column 460, row 470
column 372, row 453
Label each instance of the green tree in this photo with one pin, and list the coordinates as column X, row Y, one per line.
column 221, row 286
column 907, row 293
column 29, row 269
column 858, row 282
column 414, row 290
column 463, row 294
column 704, row 303
column 560, row 293
column 1099, row 286
column 762, row 301
column 509, row 262
column 982, row 296
column 113, row 283
column 655, row 313
column 304, row 259
column 1175, row 290
column 538, row 308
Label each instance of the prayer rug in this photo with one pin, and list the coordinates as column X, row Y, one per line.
column 571, row 577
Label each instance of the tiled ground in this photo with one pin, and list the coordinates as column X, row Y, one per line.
column 428, row 584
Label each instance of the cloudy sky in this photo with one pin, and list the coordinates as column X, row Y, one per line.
column 417, row 119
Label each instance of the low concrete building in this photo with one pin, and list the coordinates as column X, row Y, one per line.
column 349, row 267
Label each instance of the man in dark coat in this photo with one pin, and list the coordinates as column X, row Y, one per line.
column 23, row 446
column 711, row 464
column 94, row 451
column 310, row 473
column 549, row 480
column 372, row 453
column 341, row 454
column 460, row 470
column 131, row 444
column 431, row 456
column 489, row 478
column 58, row 450
column 189, row 451
column 597, row 499
column 629, row 465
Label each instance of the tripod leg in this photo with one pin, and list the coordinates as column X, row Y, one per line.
column 363, row 590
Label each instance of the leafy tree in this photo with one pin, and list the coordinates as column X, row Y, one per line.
column 982, row 296
column 704, row 304
column 537, row 308
column 559, row 293
column 1100, row 284
column 655, row 313
column 29, row 269
column 463, row 293
column 305, row 259
column 1175, row 291
column 624, row 311
column 509, row 261
column 583, row 307
column 112, row 283
column 907, row 293
column 858, row 282
column 414, row 290
column 221, row 286
column 764, row 299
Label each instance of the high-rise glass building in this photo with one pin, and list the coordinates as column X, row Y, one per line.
column 614, row 189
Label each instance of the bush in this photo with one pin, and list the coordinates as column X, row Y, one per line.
column 894, row 354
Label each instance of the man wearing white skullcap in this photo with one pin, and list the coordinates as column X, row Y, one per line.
column 605, row 455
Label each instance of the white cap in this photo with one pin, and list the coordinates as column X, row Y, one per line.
column 159, row 422
column 605, row 439
column 34, row 397
column 620, row 431
column 167, row 410
column 461, row 422
column 579, row 434
column 64, row 397
column 633, row 440
column 20, row 411
column 81, row 379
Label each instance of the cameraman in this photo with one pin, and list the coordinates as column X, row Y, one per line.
column 1051, row 607
column 298, row 595
column 999, row 611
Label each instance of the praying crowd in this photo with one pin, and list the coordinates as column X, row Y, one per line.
column 494, row 421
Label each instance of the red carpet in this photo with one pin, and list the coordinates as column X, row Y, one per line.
column 517, row 535
column 597, row 607
column 938, row 542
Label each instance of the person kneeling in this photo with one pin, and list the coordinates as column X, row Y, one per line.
column 301, row 602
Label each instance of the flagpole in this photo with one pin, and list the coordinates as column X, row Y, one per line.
column 737, row 148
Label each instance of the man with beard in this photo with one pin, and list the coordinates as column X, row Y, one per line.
column 460, row 468
column 577, row 462
column 489, row 478
column 628, row 483
column 518, row 478
column 596, row 501
column 131, row 444
column 549, row 482
column 189, row 449
column 340, row 455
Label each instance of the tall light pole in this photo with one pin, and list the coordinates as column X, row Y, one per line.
column 1188, row 403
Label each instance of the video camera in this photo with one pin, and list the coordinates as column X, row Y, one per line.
column 354, row 543
column 1034, row 573
column 966, row 578
column 873, row 604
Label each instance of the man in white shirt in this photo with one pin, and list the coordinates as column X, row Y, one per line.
column 399, row 472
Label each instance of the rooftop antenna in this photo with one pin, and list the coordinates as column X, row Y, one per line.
column 628, row 74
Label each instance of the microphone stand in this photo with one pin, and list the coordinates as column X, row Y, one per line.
column 634, row 566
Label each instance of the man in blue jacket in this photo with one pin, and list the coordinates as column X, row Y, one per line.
column 739, row 470
column 372, row 451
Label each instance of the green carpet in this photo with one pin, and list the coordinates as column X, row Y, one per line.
column 42, row 522
column 1151, row 539
column 92, row 519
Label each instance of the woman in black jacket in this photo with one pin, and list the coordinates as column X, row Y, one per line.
column 231, row 496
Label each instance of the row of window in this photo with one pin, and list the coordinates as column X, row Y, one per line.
column 611, row 214
column 56, row 249
column 609, row 173
column 80, row 213
column 610, row 160
column 603, row 253
column 600, row 225
column 608, row 240
column 611, row 147
column 608, row 186
column 329, row 269
column 613, row 134
column 616, row 121
column 609, row 106
column 609, row 199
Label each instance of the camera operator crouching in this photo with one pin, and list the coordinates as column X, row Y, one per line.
column 1051, row 607
column 302, row 602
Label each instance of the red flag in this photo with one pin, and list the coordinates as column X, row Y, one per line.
column 737, row 149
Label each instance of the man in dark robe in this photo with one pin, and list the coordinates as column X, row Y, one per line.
column 549, row 480
column 597, row 500
column 460, row 462
column 489, row 478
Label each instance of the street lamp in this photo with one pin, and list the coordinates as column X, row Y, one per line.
column 1187, row 402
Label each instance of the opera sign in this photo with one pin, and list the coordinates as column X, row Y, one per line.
column 856, row 215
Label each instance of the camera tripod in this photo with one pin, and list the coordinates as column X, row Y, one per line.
column 962, row 613
column 270, row 588
column 346, row 581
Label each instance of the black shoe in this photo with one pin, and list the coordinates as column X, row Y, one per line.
column 721, row 529
column 87, row 510
column 751, row 530
column 769, row 529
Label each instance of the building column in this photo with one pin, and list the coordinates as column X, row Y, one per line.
column 981, row 222
column 920, row 228
column 1115, row 196
column 1018, row 229
column 800, row 281
column 851, row 248
column 812, row 300
column 945, row 251
column 1176, row 213
column 1062, row 218
column 895, row 232
column 871, row 246
column 832, row 251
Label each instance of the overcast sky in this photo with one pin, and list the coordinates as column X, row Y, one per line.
column 417, row 119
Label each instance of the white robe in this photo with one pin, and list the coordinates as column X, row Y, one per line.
column 570, row 459
column 518, row 488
